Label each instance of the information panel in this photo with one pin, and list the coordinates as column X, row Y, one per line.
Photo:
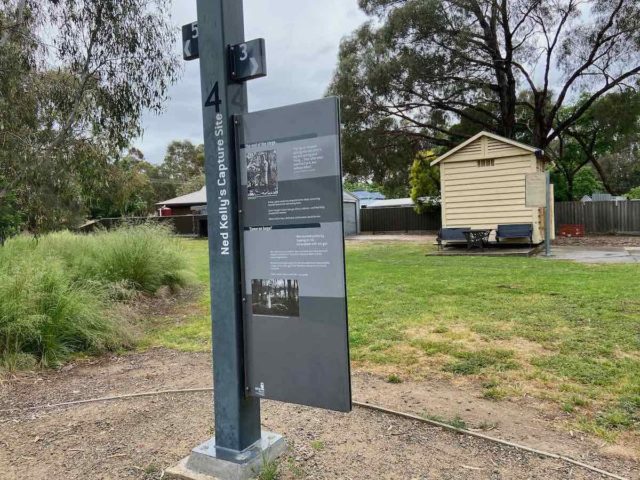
column 296, row 335
column 536, row 190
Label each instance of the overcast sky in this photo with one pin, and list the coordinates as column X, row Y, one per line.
column 302, row 40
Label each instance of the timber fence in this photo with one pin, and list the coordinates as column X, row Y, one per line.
column 600, row 217
column 399, row 219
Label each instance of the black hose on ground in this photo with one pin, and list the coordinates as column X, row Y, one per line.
column 367, row 406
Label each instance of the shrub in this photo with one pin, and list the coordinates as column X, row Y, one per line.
column 57, row 293
column 46, row 315
column 10, row 218
column 634, row 194
column 142, row 258
column 425, row 182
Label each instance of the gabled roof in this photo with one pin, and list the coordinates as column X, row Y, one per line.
column 195, row 198
column 523, row 146
column 348, row 197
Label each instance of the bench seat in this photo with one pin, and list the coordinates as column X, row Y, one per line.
column 454, row 234
column 515, row 230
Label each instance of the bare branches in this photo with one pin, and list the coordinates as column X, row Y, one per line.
column 587, row 148
column 584, row 106
column 599, row 41
column 526, row 75
column 551, row 45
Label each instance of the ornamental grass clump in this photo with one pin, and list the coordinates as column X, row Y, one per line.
column 59, row 294
column 140, row 259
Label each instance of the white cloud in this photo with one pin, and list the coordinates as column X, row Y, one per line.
column 302, row 40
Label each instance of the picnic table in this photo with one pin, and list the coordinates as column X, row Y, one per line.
column 477, row 238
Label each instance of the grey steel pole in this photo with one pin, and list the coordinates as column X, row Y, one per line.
column 547, row 216
column 237, row 416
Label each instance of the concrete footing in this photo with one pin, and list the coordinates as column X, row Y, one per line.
column 207, row 462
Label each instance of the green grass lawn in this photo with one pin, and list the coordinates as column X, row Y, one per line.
column 191, row 332
column 559, row 330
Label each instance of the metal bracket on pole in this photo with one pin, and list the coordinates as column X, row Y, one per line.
column 248, row 60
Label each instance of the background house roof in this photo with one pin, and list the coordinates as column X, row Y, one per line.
column 606, row 197
column 392, row 202
column 349, row 198
column 195, row 198
column 367, row 198
column 364, row 195
column 523, row 146
column 200, row 198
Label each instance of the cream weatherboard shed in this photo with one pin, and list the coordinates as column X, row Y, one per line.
column 483, row 184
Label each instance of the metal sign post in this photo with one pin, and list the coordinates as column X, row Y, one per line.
column 239, row 448
column 220, row 24
column 547, row 216
column 276, row 250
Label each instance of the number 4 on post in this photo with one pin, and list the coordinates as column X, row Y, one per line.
column 213, row 100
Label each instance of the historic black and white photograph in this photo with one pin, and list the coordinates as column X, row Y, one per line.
column 275, row 297
column 262, row 173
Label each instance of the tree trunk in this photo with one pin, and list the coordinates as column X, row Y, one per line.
column 603, row 176
column 540, row 128
column 508, row 104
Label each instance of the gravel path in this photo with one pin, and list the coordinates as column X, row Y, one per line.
column 139, row 438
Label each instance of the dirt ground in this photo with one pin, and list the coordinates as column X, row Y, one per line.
column 139, row 438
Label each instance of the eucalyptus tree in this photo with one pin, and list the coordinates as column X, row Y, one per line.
column 77, row 76
column 606, row 136
column 525, row 69
column 622, row 168
column 183, row 161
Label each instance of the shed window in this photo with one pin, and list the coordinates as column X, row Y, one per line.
column 486, row 163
